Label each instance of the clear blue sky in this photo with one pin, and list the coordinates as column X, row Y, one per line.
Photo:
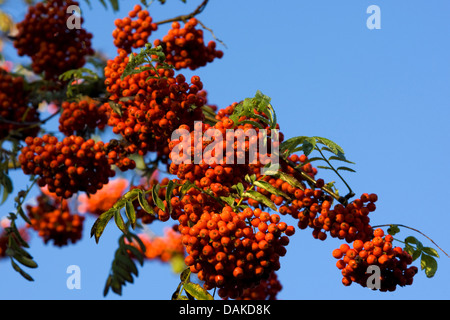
column 382, row 95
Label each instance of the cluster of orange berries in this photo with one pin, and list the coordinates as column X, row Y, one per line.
column 118, row 155
column 76, row 117
column 227, row 253
column 163, row 248
column 313, row 207
column 348, row 222
column 393, row 262
column 131, row 33
column 15, row 108
column 53, row 221
column 267, row 289
column 68, row 166
column 157, row 105
column 45, row 37
column 227, row 250
column 218, row 172
column 185, row 47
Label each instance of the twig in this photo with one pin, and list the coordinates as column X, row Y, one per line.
column 186, row 17
column 212, row 33
column 30, row 124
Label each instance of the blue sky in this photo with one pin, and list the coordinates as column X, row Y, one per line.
column 381, row 94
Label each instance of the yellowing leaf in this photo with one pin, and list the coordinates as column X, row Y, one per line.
column 6, row 22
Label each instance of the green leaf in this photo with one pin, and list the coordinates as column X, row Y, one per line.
column 131, row 213
column 133, row 237
column 324, row 167
column 308, row 145
column 7, row 187
column 250, row 178
column 169, row 191
column 101, row 222
column 261, row 103
column 20, row 271
column 333, row 146
column 123, row 258
column 136, row 253
column 27, row 262
column 114, row 4
column 15, row 234
column 185, row 275
column 415, row 241
column 288, row 146
column 345, row 169
column 12, row 243
column 119, row 221
column 23, row 215
column 122, row 273
column 239, row 188
column 412, row 251
column 430, row 251
column 268, row 187
column 429, row 264
column 273, row 117
column 340, row 159
column 156, row 199
column 260, row 198
column 144, row 204
column 116, row 286
column 231, row 201
column 393, row 229
column 197, row 291
column 107, row 286
column 185, row 188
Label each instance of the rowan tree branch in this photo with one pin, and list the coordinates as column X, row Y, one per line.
column 185, row 17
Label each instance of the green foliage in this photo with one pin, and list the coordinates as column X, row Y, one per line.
column 126, row 201
column 260, row 103
column 192, row 290
column 426, row 255
column 123, row 266
column 146, row 60
column 16, row 244
column 6, row 186
column 308, row 144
